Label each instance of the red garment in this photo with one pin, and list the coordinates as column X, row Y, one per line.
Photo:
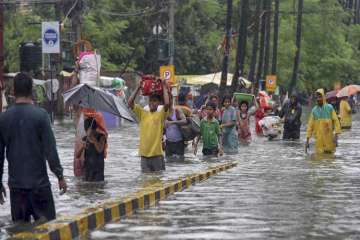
column 244, row 132
column 264, row 99
column 259, row 114
column 92, row 113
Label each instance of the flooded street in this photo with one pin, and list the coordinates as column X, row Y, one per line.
column 122, row 173
column 275, row 192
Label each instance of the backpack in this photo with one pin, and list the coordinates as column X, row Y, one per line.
column 192, row 129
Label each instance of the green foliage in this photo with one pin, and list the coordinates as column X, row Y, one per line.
column 330, row 47
column 329, row 52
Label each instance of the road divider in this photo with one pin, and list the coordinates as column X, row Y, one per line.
column 70, row 227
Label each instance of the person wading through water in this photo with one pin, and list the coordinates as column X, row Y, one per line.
column 94, row 149
column 28, row 141
column 291, row 113
column 152, row 122
column 323, row 122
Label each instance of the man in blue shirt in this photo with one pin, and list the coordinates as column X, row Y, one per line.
column 28, row 141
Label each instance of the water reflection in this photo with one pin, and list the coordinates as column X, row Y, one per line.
column 276, row 192
column 122, row 172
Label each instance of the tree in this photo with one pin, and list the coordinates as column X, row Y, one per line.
column 241, row 46
column 298, row 46
column 267, row 37
column 262, row 45
column 228, row 37
column 276, row 37
column 255, row 42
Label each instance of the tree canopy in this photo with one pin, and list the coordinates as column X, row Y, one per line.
column 122, row 31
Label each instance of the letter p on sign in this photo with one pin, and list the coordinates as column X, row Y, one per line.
column 168, row 73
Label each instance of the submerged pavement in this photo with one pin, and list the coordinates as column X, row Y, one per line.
column 275, row 192
column 122, row 173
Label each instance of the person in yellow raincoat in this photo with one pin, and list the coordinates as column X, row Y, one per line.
column 345, row 114
column 323, row 122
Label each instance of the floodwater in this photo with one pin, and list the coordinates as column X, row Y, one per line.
column 275, row 192
column 122, row 173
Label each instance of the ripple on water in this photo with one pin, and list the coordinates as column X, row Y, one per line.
column 275, row 192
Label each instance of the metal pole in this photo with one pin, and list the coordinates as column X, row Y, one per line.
column 157, row 65
column 171, row 29
column 51, row 91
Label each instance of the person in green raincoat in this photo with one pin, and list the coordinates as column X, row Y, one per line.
column 324, row 125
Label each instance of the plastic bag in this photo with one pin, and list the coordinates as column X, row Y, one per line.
column 271, row 126
column 89, row 66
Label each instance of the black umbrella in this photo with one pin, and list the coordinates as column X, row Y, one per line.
column 99, row 99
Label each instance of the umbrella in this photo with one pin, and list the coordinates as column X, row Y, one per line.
column 99, row 99
column 348, row 91
column 331, row 94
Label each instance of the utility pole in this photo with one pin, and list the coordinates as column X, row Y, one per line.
column 2, row 84
column 228, row 37
column 77, row 21
column 241, row 47
column 157, row 32
column 276, row 37
column 60, row 103
column 171, row 30
column 298, row 47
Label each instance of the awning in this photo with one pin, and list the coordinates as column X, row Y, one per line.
column 211, row 78
column 204, row 79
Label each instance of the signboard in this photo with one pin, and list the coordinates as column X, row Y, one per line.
column 271, row 83
column 168, row 73
column 50, row 37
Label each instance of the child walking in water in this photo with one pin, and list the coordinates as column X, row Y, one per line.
column 228, row 127
column 210, row 133
column 243, row 117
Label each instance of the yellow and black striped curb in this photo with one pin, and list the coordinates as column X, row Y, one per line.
column 93, row 218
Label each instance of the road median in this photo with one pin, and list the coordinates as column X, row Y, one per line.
column 70, row 227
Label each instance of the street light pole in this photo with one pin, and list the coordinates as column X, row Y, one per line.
column 171, row 29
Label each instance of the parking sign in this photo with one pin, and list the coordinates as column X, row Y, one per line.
column 50, row 36
column 271, row 83
column 168, row 73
